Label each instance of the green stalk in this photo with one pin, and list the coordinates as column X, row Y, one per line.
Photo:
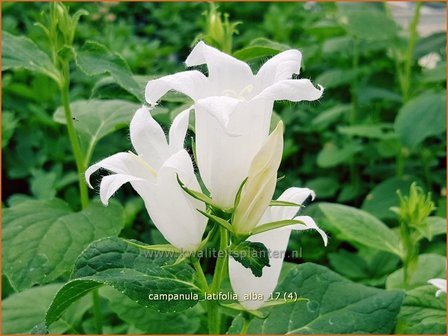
column 76, row 148
column 245, row 326
column 202, row 279
column 410, row 51
column 97, row 316
column 220, row 269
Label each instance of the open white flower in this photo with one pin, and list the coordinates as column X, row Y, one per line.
column 440, row 284
column 233, row 109
column 276, row 241
column 152, row 173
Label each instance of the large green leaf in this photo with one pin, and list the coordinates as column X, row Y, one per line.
column 21, row 52
column 9, row 124
column 361, row 227
column 252, row 255
column 94, row 119
column 331, row 155
column 260, row 47
column 420, row 118
column 334, row 305
column 95, row 59
column 422, row 312
column 22, row 311
column 384, row 196
column 429, row 266
column 42, row 239
column 149, row 321
column 142, row 275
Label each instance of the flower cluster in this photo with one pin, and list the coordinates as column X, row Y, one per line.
column 236, row 157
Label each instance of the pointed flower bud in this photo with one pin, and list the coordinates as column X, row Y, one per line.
column 260, row 185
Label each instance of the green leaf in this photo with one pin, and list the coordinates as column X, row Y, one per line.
column 384, row 196
column 335, row 306
column 437, row 225
column 137, row 273
column 260, row 47
column 369, row 24
column 95, row 59
column 17, row 308
column 252, row 255
column 422, row 312
column 438, row 74
column 330, row 116
column 429, row 266
column 42, row 239
column 324, row 186
column 95, row 119
column 21, row 52
column 422, row 117
column 361, row 227
column 9, row 124
column 377, row 131
column 331, row 155
column 335, row 77
column 149, row 321
column 369, row 267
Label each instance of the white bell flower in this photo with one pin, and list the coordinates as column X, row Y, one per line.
column 254, row 291
column 233, row 109
column 153, row 172
column 440, row 284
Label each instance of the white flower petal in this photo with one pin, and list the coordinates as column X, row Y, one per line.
column 191, row 83
column 291, row 89
column 110, row 184
column 244, row 282
column 148, row 138
column 225, row 71
column 309, row 224
column 294, row 195
column 228, row 135
column 121, row 163
column 178, row 130
column 173, row 211
column 440, row 284
column 280, row 67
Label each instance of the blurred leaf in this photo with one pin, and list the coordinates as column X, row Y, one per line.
column 377, row 131
column 42, row 239
column 21, row 52
column 369, row 93
column 438, row 74
column 132, row 270
column 437, row 225
column 422, row 312
column 149, row 321
column 361, row 227
column 429, row 266
column 324, row 187
column 43, row 184
column 420, row 118
column 369, row 267
column 435, row 42
column 95, row 59
column 335, row 77
column 9, row 124
column 334, row 305
column 384, row 196
column 330, row 116
column 29, row 307
column 369, row 24
column 94, row 119
column 331, row 156
column 260, row 47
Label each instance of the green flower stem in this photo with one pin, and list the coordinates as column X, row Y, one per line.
column 404, row 76
column 245, row 326
column 410, row 252
column 220, row 269
column 202, row 279
column 97, row 315
column 76, row 148
column 410, row 51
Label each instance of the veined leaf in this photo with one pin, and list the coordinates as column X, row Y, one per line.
column 252, row 255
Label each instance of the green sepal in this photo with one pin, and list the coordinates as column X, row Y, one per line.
column 218, row 220
column 196, row 194
column 285, row 203
column 252, row 255
column 275, row 225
